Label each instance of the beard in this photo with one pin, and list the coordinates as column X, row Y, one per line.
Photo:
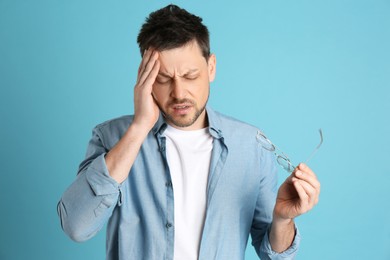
column 184, row 120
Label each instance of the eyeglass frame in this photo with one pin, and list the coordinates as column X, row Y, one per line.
column 281, row 157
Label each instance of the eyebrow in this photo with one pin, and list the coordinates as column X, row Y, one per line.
column 192, row 71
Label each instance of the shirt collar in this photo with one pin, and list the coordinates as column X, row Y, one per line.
column 160, row 125
column 214, row 123
column 213, row 119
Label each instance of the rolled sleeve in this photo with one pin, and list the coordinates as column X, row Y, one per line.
column 89, row 201
column 99, row 179
column 266, row 251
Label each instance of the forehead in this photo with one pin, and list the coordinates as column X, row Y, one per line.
column 182, row 59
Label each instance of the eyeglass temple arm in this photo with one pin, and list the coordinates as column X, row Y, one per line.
column 316, row 149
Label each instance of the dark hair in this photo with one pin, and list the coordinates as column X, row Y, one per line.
column 172, row 27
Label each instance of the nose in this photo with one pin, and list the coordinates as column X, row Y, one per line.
column 178, row 90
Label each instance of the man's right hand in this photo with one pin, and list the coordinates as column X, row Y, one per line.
column 121, row 157
column 146, row 111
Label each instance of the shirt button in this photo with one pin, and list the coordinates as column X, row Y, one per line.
column 168, row 184
column 168, row 225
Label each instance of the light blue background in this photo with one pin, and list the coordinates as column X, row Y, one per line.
column 288, row 67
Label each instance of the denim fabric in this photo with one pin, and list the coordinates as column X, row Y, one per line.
column 139, row 213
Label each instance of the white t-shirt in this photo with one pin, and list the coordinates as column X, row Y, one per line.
column 189, row 156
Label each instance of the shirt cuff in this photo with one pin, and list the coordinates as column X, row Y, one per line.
column 99, row 179
column 289, row 253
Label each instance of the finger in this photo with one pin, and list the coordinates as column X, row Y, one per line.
column 143, row 65
column 304, row 172
column 145, row 58
column 149, row 81
column 311, row 192
column 307, row 177
column 147, row 87
column 144, row 74
column 305, row 168
column 312, row 188
column 303, row 197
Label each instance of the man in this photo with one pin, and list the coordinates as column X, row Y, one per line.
column 178, row 180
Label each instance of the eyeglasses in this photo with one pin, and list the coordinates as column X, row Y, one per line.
column 281, row 157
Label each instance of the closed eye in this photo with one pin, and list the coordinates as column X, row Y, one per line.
column 163, row 80
column 192, row 77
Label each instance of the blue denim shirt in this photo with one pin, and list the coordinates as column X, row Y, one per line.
column 241, row 194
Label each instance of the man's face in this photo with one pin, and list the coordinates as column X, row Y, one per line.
column 182, row 87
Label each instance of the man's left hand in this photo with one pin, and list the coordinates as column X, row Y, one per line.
column 298, row 194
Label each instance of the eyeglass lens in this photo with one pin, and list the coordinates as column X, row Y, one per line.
column 285, row 163
column 265, row 142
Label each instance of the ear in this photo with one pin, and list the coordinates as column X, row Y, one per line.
column 212, row 63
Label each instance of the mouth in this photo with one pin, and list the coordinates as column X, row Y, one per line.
column 181, row 106
column 181, row 109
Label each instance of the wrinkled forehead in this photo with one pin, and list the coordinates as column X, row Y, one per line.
column 182, row 60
